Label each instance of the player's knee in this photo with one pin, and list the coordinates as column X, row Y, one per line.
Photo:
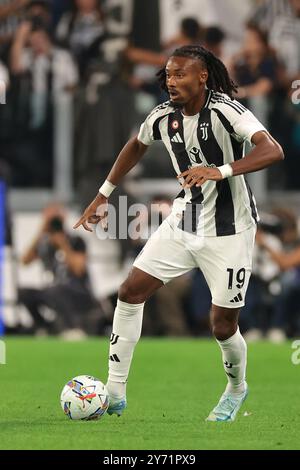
column 129, row 293
column 223, row 329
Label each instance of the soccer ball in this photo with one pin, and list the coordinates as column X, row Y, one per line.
column 84, row 397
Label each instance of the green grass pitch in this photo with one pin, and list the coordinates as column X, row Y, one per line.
column 173, row 385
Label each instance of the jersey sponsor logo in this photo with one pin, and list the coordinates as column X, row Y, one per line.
column 194, row 155
column 177, row 139
column 204, row 130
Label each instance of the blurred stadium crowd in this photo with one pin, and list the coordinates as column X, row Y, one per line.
column 80, row 77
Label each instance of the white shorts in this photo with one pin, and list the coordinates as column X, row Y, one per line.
column 226, row 262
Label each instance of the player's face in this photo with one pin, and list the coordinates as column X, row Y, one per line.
column 185, row 79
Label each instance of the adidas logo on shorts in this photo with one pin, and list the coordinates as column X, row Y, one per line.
column 237, row 298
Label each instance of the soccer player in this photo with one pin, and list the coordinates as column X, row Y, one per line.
column 213, row 222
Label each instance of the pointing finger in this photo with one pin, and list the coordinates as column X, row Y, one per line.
column 79, row 222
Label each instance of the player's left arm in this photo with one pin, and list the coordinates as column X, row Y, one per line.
column 266, row 152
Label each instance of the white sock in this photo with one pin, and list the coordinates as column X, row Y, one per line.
column 126, row 332
column 234, row 353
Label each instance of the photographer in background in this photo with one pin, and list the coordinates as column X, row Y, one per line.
column 286, row 319
column 265, row 283
column 69, row 294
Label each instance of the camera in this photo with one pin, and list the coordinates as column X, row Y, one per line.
column 55, row 225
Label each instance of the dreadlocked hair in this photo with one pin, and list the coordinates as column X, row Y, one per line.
column 218, row 76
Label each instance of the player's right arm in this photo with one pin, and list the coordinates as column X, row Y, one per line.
column 129, row 156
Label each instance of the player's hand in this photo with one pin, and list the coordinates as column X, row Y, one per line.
column 197, row 175
column 94, row 213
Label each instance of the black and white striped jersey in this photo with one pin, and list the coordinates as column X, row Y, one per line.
column 215, row 136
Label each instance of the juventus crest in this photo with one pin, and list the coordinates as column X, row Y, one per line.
column 204, row 130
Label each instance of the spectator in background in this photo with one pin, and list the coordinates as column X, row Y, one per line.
column 255, row 67
column 102, row 126
column 39, row 10
column 13, row 12
column 191, row 32
column 59, row 7
column 80, row 30
column 166, row 312
column 281, row 19
column 214, row 41
column 173, row 12
column 41, row 72
column 10, row 14
column 265, row 284
column 266, row 12
column 147, row 62
column 34, row 50
column 69, row 294
column 286, row 320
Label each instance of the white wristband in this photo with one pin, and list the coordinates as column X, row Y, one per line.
column 225, row 170
column 107, row 188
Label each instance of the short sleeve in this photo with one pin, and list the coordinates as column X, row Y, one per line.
column 242, row 121
column 145, row 134
column 150, row 129
column 247, row 125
